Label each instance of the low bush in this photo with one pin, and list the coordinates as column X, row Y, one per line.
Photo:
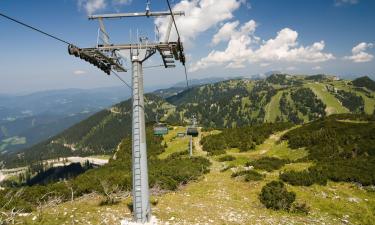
column 168, row 174
column 304, row 178
column 341, row 151
column 268, row 163
column 274, row 195
column 249, row 175
column 225, row 168
column 226, row 158
column 176, row 155
column 301, row 208
column 243, row 138
column 359, row 170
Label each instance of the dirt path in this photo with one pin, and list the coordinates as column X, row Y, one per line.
column 2, row 177
column 198, row 150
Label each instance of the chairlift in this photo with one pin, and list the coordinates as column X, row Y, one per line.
column 192, row 131
column 160, row 129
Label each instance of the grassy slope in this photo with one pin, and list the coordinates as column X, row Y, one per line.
column 273, row 108
column 333, row 105
column 218, row 199
column 175, row 144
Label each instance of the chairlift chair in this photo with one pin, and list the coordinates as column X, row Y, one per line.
column 160, row 129
column 193, row 131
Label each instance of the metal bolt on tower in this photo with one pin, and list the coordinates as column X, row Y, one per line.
column 105, row 56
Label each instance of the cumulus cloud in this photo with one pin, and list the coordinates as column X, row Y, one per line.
column 317, row 68
column 291, row 68
column 238, row 50
column 92, row 6
column 244, row 47
column 285, row 47
column 200, row 15
column 79, row 72
column 228, row 30
column 359, row 54
column 346, row 2
column 225, row 32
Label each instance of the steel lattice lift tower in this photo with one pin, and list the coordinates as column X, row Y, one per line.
column 107, row 58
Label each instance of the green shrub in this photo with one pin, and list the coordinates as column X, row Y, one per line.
column 227, row 168
column 302, row 208
column 168, row 174
column 304, row 178
column 176, row 155
column 226, row 158
column 359, row 170
column 249, row 175
column 108, row 201
column 268, row 163
column 342, row 151
column 243, row 138
column 274, row 195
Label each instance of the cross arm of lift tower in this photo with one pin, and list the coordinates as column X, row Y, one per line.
column 169, row 51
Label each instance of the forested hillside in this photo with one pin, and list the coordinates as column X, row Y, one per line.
column 342, row 146
column 226, row 104
column 278, row 98
column 364, row 82
column 99, row 134
column 165, row 174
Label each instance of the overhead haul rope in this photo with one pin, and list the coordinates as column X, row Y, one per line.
column 35, row 29
column 179, row 40
column 54, row 37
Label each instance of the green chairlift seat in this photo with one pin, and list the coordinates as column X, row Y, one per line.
column 160, row 129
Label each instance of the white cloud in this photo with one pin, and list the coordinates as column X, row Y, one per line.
column 122, row 2
column 346, row 2
column 285, row 47
column 291, row 68
column 359, row 54
column 228, row 31
column 243, row 47
column 225, row 32
column 200, row 15
column 317, row 68
column 79, row 72
column 92, row 6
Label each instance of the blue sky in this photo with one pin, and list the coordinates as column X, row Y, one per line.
column 222, row 38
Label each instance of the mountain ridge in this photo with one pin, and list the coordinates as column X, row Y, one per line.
column 230, row 103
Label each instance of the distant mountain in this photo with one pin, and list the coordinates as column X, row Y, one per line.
column 62, row 102
column 166, row 93
column 279, row 97
column 364, row 82
column 28, row 119
column 229, row 103
column 198, row 82
column 25, row 132
column 99, row 134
